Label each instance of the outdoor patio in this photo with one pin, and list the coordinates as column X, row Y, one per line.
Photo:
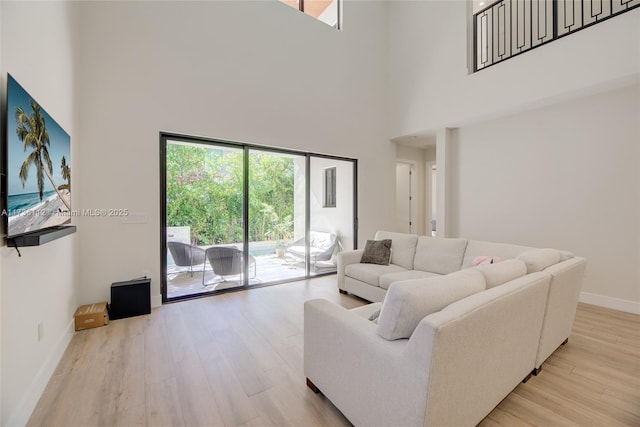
column 268, row 269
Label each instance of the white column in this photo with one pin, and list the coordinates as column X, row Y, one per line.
column 443, row 144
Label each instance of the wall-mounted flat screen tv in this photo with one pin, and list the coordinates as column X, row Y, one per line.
column 38, row 168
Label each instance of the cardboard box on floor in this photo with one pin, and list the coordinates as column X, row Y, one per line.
column 91, row 316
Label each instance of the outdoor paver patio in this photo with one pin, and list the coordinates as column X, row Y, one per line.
column 269, row 269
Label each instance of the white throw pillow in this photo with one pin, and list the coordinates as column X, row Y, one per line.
column 408, row 302
column 539, row 259
column 502, row 272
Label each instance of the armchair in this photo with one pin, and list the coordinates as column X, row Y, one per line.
column 321, row 246
column 185, row 255
column 226, row 261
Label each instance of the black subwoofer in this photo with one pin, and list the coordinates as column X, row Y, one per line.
column 130, row 298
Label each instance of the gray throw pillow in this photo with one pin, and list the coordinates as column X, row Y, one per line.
column 377, row 252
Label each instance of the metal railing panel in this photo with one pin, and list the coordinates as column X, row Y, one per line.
column 507, row 28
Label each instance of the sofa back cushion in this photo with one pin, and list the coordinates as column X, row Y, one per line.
column 403, row 247
column 408, row 302
column 437, row 255
column 476, row 248
column 539, row 259
column 502, row 272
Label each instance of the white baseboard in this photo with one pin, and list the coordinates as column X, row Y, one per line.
column 610, row 302
column 27, row 404
column 156, row 301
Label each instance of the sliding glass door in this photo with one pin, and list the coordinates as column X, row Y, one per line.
column 204, row 217
column 276, row 214
column 237, row 215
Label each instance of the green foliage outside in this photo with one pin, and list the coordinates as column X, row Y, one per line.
column 204, row 191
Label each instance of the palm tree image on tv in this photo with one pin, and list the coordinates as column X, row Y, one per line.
column 66, row 175
column 38, row 166
column 32, row 130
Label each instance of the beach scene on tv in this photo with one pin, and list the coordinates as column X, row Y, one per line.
column 38, row 165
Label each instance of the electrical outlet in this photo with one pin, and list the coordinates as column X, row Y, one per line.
column 40, row 331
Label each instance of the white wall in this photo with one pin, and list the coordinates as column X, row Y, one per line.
column 431, row 88
column 257, row 72
column 564, row 176
column 40, row 286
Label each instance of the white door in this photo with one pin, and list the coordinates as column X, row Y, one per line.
column 431, row 198
column 404, row 212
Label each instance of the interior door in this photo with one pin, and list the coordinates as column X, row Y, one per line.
column 404, row 223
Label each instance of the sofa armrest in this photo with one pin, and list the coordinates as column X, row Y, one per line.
column 358, row 370
column 481, row 347
column 562, row 302
column 345, row 258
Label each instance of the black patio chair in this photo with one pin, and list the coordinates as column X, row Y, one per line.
column 227, row 261
column 185, row 255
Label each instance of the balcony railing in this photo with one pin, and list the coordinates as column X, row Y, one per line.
column 508, row 28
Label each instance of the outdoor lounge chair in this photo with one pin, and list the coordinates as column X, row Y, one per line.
column 321, row 246
column 226, row 261
column 185, row 255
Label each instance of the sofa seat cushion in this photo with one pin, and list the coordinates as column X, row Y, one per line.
column 502, row 272
column 370, row 273
column 403, row 247
column 438, row 255
column 387, row 279
column 409, row 301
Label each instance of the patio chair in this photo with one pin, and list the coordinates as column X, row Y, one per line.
column 185, row 255
column 226, row 261
column 321, row 246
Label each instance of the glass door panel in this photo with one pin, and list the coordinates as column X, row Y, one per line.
column 204, row 218
column 331, row 211
column 276, row 216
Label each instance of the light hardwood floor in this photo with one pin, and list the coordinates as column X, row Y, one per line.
column 236, row 360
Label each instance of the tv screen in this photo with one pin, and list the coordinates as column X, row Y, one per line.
column 38, row 168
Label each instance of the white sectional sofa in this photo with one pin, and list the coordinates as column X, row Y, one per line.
column 451, row 340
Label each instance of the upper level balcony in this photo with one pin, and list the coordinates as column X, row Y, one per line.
column 507, row 28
